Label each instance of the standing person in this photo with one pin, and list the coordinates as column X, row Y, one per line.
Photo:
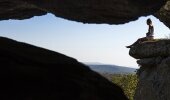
column 149, row 34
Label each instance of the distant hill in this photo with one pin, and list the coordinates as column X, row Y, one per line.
column 111, row 69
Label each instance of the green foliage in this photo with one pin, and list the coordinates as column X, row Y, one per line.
column 127, row 82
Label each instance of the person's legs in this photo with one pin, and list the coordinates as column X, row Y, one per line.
column 140, row 40
column 150, row 38
column 143, row 39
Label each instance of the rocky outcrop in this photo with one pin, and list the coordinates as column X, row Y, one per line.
column 86, row 11
column 33, row 73
column 154, row 73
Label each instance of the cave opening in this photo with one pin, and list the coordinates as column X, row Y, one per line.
column 88, row 43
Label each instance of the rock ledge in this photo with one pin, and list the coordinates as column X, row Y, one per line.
column 154, row 60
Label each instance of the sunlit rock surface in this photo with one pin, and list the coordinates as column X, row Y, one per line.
column 154, row 73
column 32, row 73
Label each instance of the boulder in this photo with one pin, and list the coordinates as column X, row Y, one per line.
column 32, row 73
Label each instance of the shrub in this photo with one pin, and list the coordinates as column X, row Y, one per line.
column 127, row 82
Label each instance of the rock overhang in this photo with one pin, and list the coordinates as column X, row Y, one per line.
column 151, row 53
column 150, row 49
column 86, row 11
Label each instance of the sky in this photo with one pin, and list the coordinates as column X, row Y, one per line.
column 101, row 43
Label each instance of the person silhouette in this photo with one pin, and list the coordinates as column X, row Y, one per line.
column 149, row 34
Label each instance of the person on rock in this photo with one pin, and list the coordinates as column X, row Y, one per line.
column 149, row 34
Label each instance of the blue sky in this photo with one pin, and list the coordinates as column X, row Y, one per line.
column 86, row 42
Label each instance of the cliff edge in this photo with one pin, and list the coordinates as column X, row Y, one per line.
column 154, row 73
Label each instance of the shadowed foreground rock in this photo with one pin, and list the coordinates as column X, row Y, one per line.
column 154, row 72
column 32, row 73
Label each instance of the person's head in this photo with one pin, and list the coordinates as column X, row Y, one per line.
column 149, row 22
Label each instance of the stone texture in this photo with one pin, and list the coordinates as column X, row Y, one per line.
column 151, row 49
column 154, row 61
column 32, row 73
column 17, row 9
column 164, row 14
column 86, row 11
column 148, row 62
column 154, row 82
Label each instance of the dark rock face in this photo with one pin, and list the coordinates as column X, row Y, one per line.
column 154, row 61
column 87, row 11
column 17, row 9
column 164, row 14
column 32, row 73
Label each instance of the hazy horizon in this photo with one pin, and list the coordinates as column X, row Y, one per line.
column 101, row 43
